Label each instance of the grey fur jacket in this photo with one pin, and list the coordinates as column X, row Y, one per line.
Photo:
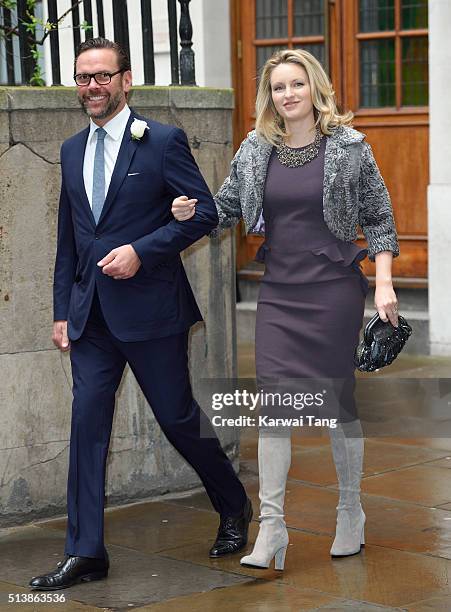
column 354, row 190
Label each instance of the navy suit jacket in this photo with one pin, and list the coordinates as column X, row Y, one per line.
column 148, row 174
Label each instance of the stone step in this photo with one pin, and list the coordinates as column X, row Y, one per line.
column 408, row 298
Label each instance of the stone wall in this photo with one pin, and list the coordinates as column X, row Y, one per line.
column 35, row 380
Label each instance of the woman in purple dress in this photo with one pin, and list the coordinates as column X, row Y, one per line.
column 309, row 179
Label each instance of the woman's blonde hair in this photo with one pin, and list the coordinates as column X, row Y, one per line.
column 269, row 124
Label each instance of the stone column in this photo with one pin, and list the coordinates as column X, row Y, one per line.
column 439, row 190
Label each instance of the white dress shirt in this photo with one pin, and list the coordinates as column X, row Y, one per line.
column 114, row 129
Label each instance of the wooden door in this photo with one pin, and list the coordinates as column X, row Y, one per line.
column 375, row 52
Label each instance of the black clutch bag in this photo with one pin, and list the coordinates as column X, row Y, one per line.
column 381, row 344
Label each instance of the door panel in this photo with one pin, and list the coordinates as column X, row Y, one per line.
column 385, row 84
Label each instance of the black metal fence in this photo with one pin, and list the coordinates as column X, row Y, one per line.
column 14, row 26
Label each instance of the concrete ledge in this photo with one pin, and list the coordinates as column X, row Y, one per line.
column 64, row 98
column 201, row 97
column 35, row 98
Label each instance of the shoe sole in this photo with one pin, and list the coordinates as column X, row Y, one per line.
column 229, row 552
column 259, row 567
column 350, row 555
column 87, row 578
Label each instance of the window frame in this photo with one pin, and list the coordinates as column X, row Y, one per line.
column 290, row 41
column 397, row 35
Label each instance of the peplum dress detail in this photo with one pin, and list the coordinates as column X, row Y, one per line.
column 312, row 294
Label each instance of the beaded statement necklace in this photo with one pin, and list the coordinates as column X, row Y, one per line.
column 293, row 158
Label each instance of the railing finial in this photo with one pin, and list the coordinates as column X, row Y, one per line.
column 187, row 70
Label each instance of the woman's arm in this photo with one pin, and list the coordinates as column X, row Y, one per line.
column 375, row 209
column 385, row 299
column 378, row 225
column 227, row 199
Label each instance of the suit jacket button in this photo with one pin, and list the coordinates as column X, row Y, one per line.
column 97, row 237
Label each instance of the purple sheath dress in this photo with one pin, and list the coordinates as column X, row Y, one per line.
column 312, row 295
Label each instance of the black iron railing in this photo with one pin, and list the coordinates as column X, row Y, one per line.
column 21, row 60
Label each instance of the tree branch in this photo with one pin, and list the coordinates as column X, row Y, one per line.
column 9, row 31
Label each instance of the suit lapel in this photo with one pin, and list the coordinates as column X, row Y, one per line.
column 124, row 158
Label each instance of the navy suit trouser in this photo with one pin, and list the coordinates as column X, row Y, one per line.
column 161, row 369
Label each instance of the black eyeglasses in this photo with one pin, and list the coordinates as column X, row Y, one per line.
column 101, row 78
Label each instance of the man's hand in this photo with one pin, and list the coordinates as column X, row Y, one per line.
column 121, row 263
column 59, row 336
column 183, row 208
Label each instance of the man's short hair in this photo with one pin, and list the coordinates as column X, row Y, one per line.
column 104, row 43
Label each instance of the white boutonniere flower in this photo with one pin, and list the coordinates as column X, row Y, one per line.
column 138, row 128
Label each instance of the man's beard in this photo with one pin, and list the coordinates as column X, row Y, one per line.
column 113, row 103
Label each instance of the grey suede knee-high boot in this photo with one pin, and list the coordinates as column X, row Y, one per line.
column 347, row 449
column 274, row 458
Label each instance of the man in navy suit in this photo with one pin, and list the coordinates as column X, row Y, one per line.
column 121, row 296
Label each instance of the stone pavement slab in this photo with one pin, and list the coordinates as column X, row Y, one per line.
column 155, row 526
column 135, row 578
column 436, row 604
column 252, row 596
column 443, row 463
column 436, row 443
column 413, row 366
column 378, row 575
column 390, row 523
column 262, row 596
column 316, row 464
column 358, row 606
column 159, row 526
column 426, row 485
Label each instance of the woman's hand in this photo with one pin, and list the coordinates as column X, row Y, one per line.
column 385, row 299
column 183, row 208
column 386, row 302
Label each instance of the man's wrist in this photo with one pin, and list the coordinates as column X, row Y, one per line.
column 134, row 251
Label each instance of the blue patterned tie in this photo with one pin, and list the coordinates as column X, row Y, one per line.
column 98, row 181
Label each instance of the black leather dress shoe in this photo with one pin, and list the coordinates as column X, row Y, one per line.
column 70, row 571
column 232, row 533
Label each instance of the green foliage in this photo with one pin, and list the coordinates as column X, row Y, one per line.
column 8, row 4
column 85, row 26
column 32, row 24
column 37, row 78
